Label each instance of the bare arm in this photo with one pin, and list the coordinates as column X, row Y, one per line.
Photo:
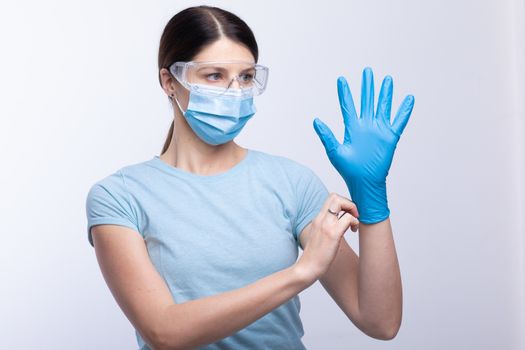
column 146, row 300
column 212, row 318
column 380, row 291
column 367, row 288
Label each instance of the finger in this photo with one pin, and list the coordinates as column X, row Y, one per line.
column 403, row 114
column 354, row 225
column 339, row 203
column 346, row 103
column 384, row 103
column 326, row 135
column 330, row 203
column 345, row 221
column 367, row 94
column 348, row 206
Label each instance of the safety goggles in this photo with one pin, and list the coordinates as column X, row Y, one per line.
column 221, row 77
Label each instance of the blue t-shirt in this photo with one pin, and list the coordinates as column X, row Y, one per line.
column 210, row 234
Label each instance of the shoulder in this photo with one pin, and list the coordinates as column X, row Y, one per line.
column 283, row 163
column 115, row 184
column 109, row 188
column 132, row 170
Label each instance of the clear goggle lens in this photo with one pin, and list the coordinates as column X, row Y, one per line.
column 226, row 77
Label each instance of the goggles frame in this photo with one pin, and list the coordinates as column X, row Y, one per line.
column 180, row 69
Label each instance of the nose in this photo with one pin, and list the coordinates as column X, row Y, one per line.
column 234, row 83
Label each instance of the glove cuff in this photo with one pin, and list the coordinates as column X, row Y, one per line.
column 371, row 201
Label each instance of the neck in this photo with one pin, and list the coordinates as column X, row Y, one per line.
column 188, row 152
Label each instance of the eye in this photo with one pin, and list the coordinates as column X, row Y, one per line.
column 246, row 77
column 213, row 76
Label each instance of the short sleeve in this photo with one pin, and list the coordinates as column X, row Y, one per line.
column 107, row 202
column 311, row 194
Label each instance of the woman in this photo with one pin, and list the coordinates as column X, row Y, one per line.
column 199, row 245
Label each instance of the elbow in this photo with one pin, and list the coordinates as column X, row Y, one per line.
column 383, row 326
column 162, row 337
column 389, row 333
column 157, row 341
column 384, row 331
column 170, row 338
column 163, row 341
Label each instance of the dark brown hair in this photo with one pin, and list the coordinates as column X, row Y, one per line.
column 190, row 30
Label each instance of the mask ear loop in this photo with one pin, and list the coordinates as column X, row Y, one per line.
column 172, row 97
column 177, row 102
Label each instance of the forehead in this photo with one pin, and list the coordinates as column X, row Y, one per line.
column 225, row 49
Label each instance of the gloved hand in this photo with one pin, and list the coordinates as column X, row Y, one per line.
column 364, row 158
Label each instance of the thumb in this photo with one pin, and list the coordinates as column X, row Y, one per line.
column 325, row 134
column 403, row 115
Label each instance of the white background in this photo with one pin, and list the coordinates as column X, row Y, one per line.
column 80, row 99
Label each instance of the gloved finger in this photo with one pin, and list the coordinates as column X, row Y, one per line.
column 326, row 135
column 403, row 114
column 384, row 103
column 346, row 103
column 367, row 94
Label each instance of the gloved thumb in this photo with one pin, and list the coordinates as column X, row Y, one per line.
column 326, row 135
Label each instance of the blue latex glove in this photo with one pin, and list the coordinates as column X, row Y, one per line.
column 364, row 158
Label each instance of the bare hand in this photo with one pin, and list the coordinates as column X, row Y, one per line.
column 325, row 234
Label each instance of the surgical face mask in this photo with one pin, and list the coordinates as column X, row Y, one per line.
column 218, row 118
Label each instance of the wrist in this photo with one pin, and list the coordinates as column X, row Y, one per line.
column 371, row 200
column 374, row 217
column 302, row 274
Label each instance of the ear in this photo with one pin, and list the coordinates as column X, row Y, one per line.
column 169, row 84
